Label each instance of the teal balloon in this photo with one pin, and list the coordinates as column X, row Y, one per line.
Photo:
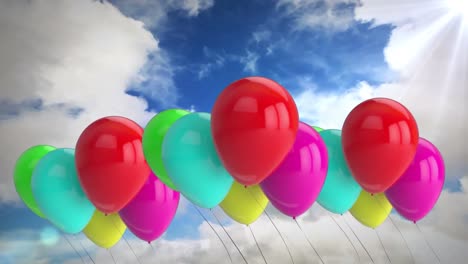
column 58, row 193
column 192, row 163
column 340, row 191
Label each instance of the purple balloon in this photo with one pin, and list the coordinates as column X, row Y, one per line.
column 151, row 211
column 296, row 183
column 416, row 192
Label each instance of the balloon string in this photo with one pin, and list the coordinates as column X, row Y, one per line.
column 128, row 244
column 258, row 246
column 427, row 243
column 214, row 230
column 274, row 225
column 126, row 241
column 398, row 229
column 232, row 240
column 403, row 237
column 73, row 247
column 112, row 256
column 282, row 238
column 381, row 243
column 349, row 239
column 310, row 243
column 86, row 251
column 151, row 245
column 360, row 242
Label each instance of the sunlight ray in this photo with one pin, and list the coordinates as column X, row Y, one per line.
column 451, row 79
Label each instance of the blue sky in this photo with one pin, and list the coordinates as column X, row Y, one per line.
column 212, row 50
column 186, row 54
column 235, row 39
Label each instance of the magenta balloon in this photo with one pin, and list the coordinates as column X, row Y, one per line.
column 416, row 192
column 150, row 213
column 296, row 183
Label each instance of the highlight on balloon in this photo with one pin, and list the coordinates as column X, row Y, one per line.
column 250, row 151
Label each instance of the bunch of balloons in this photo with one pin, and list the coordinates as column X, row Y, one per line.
column 251, row 150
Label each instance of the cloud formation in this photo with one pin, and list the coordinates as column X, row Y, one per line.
column 330, row 15
column 59, row 75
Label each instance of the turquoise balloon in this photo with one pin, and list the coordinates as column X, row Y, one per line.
column 58, row 192
column 192, row 163
column 340, row 191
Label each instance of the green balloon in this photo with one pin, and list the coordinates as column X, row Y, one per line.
column 153, row 137
column 318, row 129
column 23, row 172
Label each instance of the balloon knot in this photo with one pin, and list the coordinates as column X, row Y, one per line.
column 294, row 218
column 105, row 214
column 245, row 186
column 149, row 242
column 372, row 194
column 414, row 222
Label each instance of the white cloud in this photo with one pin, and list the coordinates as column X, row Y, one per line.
column 84, row 58
column 216, row 61
column 329, row 110
column 326, row 236
column 427, row 54
column 153, row 13
column 427, row 49
column 261, row 36
column 250, row 61
column 333, row 15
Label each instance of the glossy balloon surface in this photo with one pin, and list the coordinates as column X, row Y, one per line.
column 58, row 192
column 153, row 137
column 295, row 185
column 151, row 212
column 244, row 205
column 416, row 192
column 110, row 162
column 23, row 173
column 105, row 230
column 380, row 137
column 340, row 190
column 371, row 210
column 192, row 162
column 254, row 125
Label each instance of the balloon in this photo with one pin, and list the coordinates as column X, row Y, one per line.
column 244, row 205
column 110, row 162
column 380, row 137
column 150, row 213
column 105, row 230
column 418, row 189
column 340, row 190
column 318, row 129
column 58, row 193
column 295, row 185
column 254, row 124
column 192, row 163
column 153, row 137
column 371, row 210
column 23, row 172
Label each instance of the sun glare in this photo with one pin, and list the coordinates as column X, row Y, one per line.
column 458, row 6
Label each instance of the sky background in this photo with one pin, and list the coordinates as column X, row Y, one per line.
column 64, row 64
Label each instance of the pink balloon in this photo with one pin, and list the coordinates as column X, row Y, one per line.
column 150, row 213
column 416, row 192
column 296, row 183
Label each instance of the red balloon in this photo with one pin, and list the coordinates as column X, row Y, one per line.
column 380, row 137
column 110, row 162
column 254, row 123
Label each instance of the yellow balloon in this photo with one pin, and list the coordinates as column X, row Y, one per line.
column 371, row 210
column 105, row 231
column 244, row 205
